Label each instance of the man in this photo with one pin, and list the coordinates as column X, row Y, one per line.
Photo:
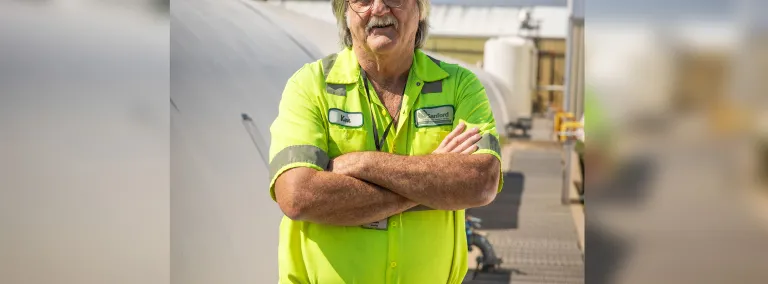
column 376, row 152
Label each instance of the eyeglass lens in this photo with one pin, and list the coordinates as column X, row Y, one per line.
column 361, row 6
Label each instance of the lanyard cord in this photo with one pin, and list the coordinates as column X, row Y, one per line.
column 379, row 143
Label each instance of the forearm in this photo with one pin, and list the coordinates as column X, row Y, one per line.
column 333, row 199
column 440, row 181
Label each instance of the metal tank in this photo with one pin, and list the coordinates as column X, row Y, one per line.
column 228, row 57
column 495, row 89
column 83, row 143
column 512, row 60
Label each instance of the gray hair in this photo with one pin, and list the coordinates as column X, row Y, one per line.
column 345, row 35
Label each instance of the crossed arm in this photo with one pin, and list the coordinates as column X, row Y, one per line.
column 364, row 187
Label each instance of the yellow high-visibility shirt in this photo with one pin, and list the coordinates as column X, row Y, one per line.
column 324, row 112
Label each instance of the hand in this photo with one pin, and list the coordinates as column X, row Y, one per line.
column 346, row 164
column 458, row 142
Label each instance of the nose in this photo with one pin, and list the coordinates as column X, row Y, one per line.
column 379, row 8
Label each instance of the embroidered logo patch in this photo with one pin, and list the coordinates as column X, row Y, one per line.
column 434, row 116
column 348, row 119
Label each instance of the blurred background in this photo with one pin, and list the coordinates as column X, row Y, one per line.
column 680, row 193
column 84, row 142
column 125, row 158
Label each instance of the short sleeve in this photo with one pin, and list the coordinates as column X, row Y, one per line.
column 298, row 134
column 474, row 109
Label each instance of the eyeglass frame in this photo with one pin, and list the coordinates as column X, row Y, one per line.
column 349, row 3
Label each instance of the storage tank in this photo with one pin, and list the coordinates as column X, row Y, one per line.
column 513, row 61
column 496, row 91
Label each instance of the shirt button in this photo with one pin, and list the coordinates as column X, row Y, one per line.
column 394, row 223
column 394, row 264
column 418, row 83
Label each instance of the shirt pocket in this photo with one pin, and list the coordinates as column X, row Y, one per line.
column 426, row 140
column 342, row 140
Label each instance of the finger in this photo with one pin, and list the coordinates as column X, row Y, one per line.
column 472, row 140
column 453, row 144
column 453, row 141
column 466, row 135
column 470, row 150
column 456, row 131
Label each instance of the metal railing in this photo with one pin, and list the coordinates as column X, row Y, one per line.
column 566, row 129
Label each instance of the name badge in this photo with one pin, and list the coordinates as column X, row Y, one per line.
column 378, row 225
column 348, row 119
column 434, row 116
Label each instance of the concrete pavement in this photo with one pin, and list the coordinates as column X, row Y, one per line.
column 529, row 228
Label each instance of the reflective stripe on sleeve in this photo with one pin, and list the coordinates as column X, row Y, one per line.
column 298, row 154
column 489, row 142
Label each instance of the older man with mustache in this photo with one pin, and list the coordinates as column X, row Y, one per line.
column 376, row 152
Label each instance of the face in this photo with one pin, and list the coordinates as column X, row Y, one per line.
column 383, row 29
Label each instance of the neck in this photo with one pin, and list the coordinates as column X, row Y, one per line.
column 385, row 69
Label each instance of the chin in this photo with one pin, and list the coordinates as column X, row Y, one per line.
column 382, row 46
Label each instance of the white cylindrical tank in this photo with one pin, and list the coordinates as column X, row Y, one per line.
column 513, row 61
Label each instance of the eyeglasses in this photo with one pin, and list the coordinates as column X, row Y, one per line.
column 362, row 6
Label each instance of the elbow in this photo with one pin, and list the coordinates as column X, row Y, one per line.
column 291, row 201
column 292, row 211
column 488, row 183
column 291, row 207
column 485, row 193
column 488, row 193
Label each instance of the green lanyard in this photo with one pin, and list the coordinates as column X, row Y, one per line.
column 378, row 142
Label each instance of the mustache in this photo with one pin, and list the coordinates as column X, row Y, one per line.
column 380, row 21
